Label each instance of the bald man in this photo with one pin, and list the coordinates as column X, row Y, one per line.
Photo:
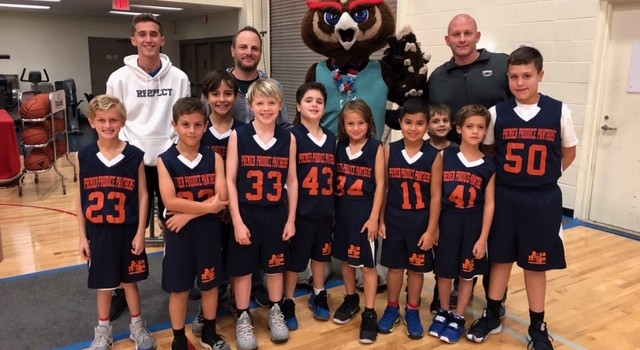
column 471, row 76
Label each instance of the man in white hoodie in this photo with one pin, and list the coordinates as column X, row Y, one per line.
column 148, row 85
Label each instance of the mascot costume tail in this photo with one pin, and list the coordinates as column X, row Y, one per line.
column 348, row 32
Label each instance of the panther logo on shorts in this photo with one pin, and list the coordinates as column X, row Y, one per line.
column 354, row 251
column 276, row 260
column 417, row 259
column 326, row 250
column 468, row 265
column 137, row 267
column 208, row 275
column 538, row 258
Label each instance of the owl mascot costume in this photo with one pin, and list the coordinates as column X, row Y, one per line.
column 348, row 32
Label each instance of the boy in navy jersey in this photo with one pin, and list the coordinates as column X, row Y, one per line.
column 468, row 187
column 193, row 188
column 112, row 208
column 260, row 162
column 316, row 167
column 534, row 142
column 409, row 216
column 219, row 89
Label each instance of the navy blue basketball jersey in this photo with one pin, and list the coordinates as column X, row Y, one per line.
column 463, row 184
column 109, row 189
column 356, row 178
column 262, row 173
column 193, row 180
column 316, row 168
column 409, row 186
column 528, row 153
column 218, row 142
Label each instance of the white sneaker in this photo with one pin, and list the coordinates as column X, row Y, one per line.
column 244, row 333
column 141, row 336
column 277, row 326
column 103, row 339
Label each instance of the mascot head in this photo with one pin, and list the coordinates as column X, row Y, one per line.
column 348, row 31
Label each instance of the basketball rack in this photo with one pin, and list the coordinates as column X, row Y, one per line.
column 58, row 111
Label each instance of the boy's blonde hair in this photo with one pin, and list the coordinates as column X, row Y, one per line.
column 103, row 103
column 265, row 87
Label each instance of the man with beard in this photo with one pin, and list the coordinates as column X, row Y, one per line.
column 246, row 50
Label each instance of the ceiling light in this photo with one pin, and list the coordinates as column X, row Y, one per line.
column 159, row 8
column 31, row 7
column 130, row 13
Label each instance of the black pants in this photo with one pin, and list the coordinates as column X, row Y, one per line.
column 153, row 189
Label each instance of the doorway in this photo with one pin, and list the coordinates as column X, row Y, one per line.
column 199, row 56
column 615, row 196
column 105, row 56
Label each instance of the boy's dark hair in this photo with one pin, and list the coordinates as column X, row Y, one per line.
column 246, row 29
column 439, row 108
column 471, row 111
column 214, row 78
column 188, row 105
column 525, row 55
column 414, row 105
column 360, row 107
column 303, row 90
column 144, row 17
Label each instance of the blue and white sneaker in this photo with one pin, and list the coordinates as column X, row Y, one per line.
column 440, row 321
column 318, row 303
column 389, row 319
column 454, row 329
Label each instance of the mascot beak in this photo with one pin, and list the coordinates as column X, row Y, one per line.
column 347, row 31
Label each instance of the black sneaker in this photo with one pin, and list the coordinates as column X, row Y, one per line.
column 369, row 327
column 118, row 304
column 212, row 341
column 260, row 294
column 179, row 343
column 289, row 312
column 194, row 294
column 350, row 306
column 539, row 338
column 482, row 327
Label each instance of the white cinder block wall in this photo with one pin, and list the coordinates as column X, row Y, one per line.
column 563, row 30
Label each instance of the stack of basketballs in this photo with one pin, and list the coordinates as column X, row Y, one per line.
column 38, row 133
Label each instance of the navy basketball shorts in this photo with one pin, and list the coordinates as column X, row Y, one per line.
column 111, row 261
column 312, row 241
column 349, row 244
column 527, row 228
column 193, row 253
column 267, row 250
column 400, row 249
column 459, row 232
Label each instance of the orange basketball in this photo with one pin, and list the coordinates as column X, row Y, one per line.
column 34, row 136
column 36, row 107
column 61, row 147
column 37, row 159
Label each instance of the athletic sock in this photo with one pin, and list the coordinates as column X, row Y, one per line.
column 535, row 317
column 494, row 307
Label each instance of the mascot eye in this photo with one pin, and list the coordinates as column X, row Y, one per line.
column 331, row 18
column 360, row 16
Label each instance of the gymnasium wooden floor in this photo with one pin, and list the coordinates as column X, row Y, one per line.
column 594, row 304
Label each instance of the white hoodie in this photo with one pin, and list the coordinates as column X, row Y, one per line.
column 149, row 102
